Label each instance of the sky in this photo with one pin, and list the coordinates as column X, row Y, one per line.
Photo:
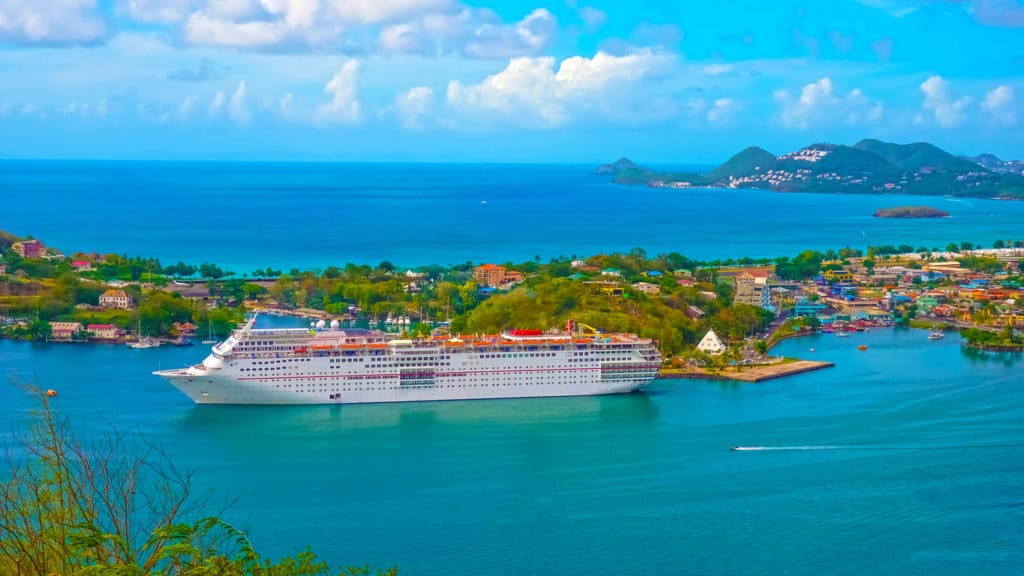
column 661, row 82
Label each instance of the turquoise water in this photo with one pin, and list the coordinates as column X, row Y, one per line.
column 245, row 216
column 907, row 458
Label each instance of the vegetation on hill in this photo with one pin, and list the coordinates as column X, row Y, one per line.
column 868, row 167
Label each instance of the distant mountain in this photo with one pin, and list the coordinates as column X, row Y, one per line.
column 994, row 164
column 868, row 167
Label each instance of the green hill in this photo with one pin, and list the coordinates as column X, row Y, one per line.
column 748, row 161
column 917, row 156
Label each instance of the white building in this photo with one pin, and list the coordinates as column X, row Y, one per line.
column 711, row 344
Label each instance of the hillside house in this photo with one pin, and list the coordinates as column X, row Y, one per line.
column 116, row 299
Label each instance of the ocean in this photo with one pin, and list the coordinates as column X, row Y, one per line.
column 907, row 458
column 245, row 216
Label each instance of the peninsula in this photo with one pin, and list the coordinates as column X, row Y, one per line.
column 911, row 212
column 867, row 167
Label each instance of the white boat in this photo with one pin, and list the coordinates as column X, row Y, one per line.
column 936, row 335
column 293, row 366
column 147, row 342
column 843, row 334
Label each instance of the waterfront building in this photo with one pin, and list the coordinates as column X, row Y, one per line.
column 115, row 299
column 103, row 331
column 64, row 330
column 29, row 249
column 711, row 344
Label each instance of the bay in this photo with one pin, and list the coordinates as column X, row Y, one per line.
column 245, row 216
column 905, row 458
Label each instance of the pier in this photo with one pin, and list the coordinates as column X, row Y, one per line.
column 747, row 373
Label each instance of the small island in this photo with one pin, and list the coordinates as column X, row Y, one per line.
column 911, row 212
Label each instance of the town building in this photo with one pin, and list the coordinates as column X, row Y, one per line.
column 838, row 276
column 752, row 288
column 489, row 274
column 3, row 269
column 29, row 249
column 103, row 331
column 646, row 287
column 711, row 344
column 807, row 309
column 115, row 299
column 64, row 330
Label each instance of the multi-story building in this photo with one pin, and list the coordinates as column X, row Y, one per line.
column 115, row 299
column 29, row 249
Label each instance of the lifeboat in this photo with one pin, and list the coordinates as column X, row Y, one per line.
column 454, row 343
column 862, row 347
column 481, row 343
column 377, row 345
column 582, row 341
column 351, row 346
column 322, row 347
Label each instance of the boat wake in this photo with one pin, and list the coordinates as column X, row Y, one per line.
column 759, row 448
column 874, row 447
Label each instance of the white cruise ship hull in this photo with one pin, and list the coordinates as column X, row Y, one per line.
column 291, row 367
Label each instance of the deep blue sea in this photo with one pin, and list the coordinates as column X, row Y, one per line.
column 245, row 216
column 904, row 459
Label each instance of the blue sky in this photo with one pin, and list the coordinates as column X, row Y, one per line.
column 532, row 80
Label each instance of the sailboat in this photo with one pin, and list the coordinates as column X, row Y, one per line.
column 144, row 341
column 210, row 339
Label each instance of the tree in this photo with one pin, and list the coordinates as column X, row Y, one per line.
column 211, row 271
column 111, row 506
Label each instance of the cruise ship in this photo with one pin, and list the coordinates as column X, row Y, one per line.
column 328, row 365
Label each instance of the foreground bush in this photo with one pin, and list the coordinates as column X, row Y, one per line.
column 112, row 507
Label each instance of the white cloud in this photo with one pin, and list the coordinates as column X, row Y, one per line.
column 530, row 89
column 157, row 11
column 593, row 19
column 344, row 105
column 187, row 107
column 480, row 33
column 284, row 105
column 937, row 99
column 217, row 104
column 417, row 26
column 237, row 108
column 50, row 21
column 379, row 11
column 716, row 69
column 400, row 38
column 412, row 106
column 1000, row 105
column 722, row 110
column 819, row 103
